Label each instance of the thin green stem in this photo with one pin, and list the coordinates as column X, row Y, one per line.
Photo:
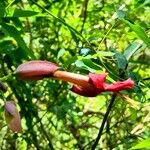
column 106, row 34
column 10, row 4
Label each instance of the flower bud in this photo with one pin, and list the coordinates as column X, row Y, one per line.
column 36, row 70
column 12, row 116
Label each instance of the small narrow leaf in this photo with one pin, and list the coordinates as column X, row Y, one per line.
column 24, row 13
column 13, row 32
column 88, row 65
column 121, row 60
column 80, row 64
column 120, row 14
column 17, row 22
column 104, row 54
column 131, row 49
column 139, row 32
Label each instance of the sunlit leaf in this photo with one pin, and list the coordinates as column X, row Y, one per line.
column 143, row 144
column 103, row 54
column 139, row 32
column 61, row 53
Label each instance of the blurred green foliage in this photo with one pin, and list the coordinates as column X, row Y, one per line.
column 81, row 36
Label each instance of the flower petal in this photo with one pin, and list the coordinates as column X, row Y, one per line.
column 98, row 85
column 85, row 91
column 36, row 70
column 98, row 80
column 120, row 85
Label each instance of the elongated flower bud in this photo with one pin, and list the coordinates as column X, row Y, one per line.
column 12, row 116
column 36, row 70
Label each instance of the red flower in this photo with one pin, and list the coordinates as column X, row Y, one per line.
column 89, row 86
column 98, row 85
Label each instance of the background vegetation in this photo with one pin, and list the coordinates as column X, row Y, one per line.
column 81, row 36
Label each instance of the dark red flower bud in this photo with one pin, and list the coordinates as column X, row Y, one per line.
column 12, row 116
column 36, row 70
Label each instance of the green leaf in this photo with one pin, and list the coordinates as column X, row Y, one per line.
column 120, row 14
column 88, row 65
column 98, row 54
column 142, row 144
column 146, row 2
column 13, row 32
column 131, row 49
column 16, row 21
column 61, row 53
column 121, row 60
column 139, row 32
column 70, row 61
column 23, row 145
column 103, row 54
column 24, row 13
